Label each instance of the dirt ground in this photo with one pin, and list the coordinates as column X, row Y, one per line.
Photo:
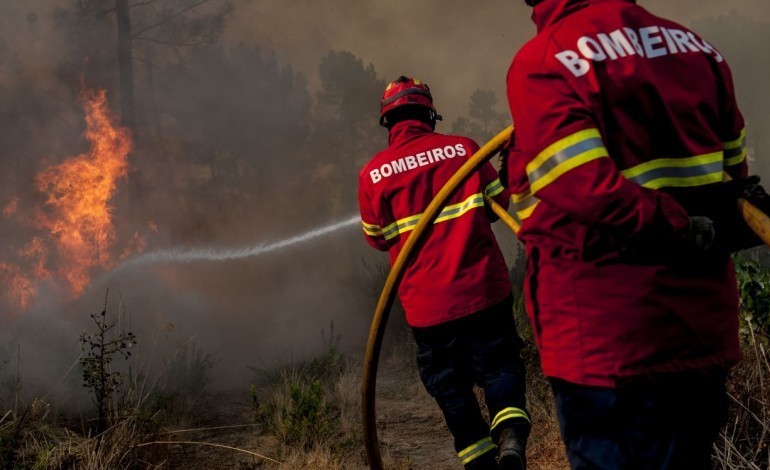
column 411, row 430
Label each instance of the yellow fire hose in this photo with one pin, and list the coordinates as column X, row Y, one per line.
column 756, row 219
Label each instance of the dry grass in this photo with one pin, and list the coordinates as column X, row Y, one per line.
column 37, row 440
column 411, row 427
column 745, row 441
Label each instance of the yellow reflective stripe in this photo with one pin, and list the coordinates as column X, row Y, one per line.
column 737, row 159
column 509, row 413
column 735, row 151
column 494, row 188
column 523, row 205
column 525, row 213
column 476, row 450
column 400, row 226
column 449, row 212
column 737, row 143
column 371, row 229
column 564, row 155
column 456, row 210
column 677, row 172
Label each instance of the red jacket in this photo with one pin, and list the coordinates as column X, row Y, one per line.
column 624, row 124
column 459, row 269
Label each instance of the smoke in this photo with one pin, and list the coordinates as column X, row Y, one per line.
column 251, row 131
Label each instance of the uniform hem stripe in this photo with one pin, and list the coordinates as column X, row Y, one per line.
column 476, row 450
column 509, row 413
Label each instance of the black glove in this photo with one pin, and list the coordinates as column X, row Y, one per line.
column 754, row 193
column 735, row 233
column 702, row 232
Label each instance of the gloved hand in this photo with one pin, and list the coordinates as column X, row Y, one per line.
column 735, row 234
column 752, row 191
column 702, row 232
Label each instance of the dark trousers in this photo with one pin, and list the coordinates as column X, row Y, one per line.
column 482, row 349
column 663, row 422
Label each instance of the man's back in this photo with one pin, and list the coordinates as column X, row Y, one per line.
column 626, row 103
column 460, row 269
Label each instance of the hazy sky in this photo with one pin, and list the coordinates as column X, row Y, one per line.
column 455, row 46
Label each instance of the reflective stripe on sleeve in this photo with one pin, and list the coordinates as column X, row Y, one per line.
column 450, row 212
column 564, row 155
column 735, row 151
column 509, row 413
column 476, row 450
column 494, row 188
column 677, row 172
column 523, row 205
column 371, row 229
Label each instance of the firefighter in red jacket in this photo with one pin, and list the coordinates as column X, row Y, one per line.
column 625, row 126
column 456, row 293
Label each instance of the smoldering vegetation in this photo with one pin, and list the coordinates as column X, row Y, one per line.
column 231, row 149
column 248, row 127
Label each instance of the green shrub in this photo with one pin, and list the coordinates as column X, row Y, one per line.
column 298, row 412
column 754, row 289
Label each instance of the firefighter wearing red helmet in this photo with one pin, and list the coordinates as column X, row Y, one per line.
column 456, row 293
column 625, row 126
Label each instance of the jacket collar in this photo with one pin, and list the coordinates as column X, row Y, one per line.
column 409, row 129
column 548, row 12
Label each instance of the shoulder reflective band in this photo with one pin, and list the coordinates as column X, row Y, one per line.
column 677, row 172
column 564, row 155
column 407, row 223
column 476, row 450
column 509, row 413
column 494, row 188
column 735, row 151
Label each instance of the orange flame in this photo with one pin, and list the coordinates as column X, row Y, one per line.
column 77, row 217
column 79, row 191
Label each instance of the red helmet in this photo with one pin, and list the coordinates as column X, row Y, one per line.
column 406, row 91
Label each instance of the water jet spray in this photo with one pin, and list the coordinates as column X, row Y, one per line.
column 181, row 255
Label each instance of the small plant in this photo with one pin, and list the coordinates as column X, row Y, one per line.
column 754, row 288
column 298, row 413
column 99, row 350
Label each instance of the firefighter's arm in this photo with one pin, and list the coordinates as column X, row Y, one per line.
column 733, row 127
column 563, row 155
column 372, row 225
column 491, row 184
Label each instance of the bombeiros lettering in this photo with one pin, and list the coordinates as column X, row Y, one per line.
column 649, row 42
column 410, row 162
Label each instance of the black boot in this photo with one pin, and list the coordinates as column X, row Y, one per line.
column 511, row 451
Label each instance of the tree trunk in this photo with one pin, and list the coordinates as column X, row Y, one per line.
column 135, row 210
column 125, row 61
